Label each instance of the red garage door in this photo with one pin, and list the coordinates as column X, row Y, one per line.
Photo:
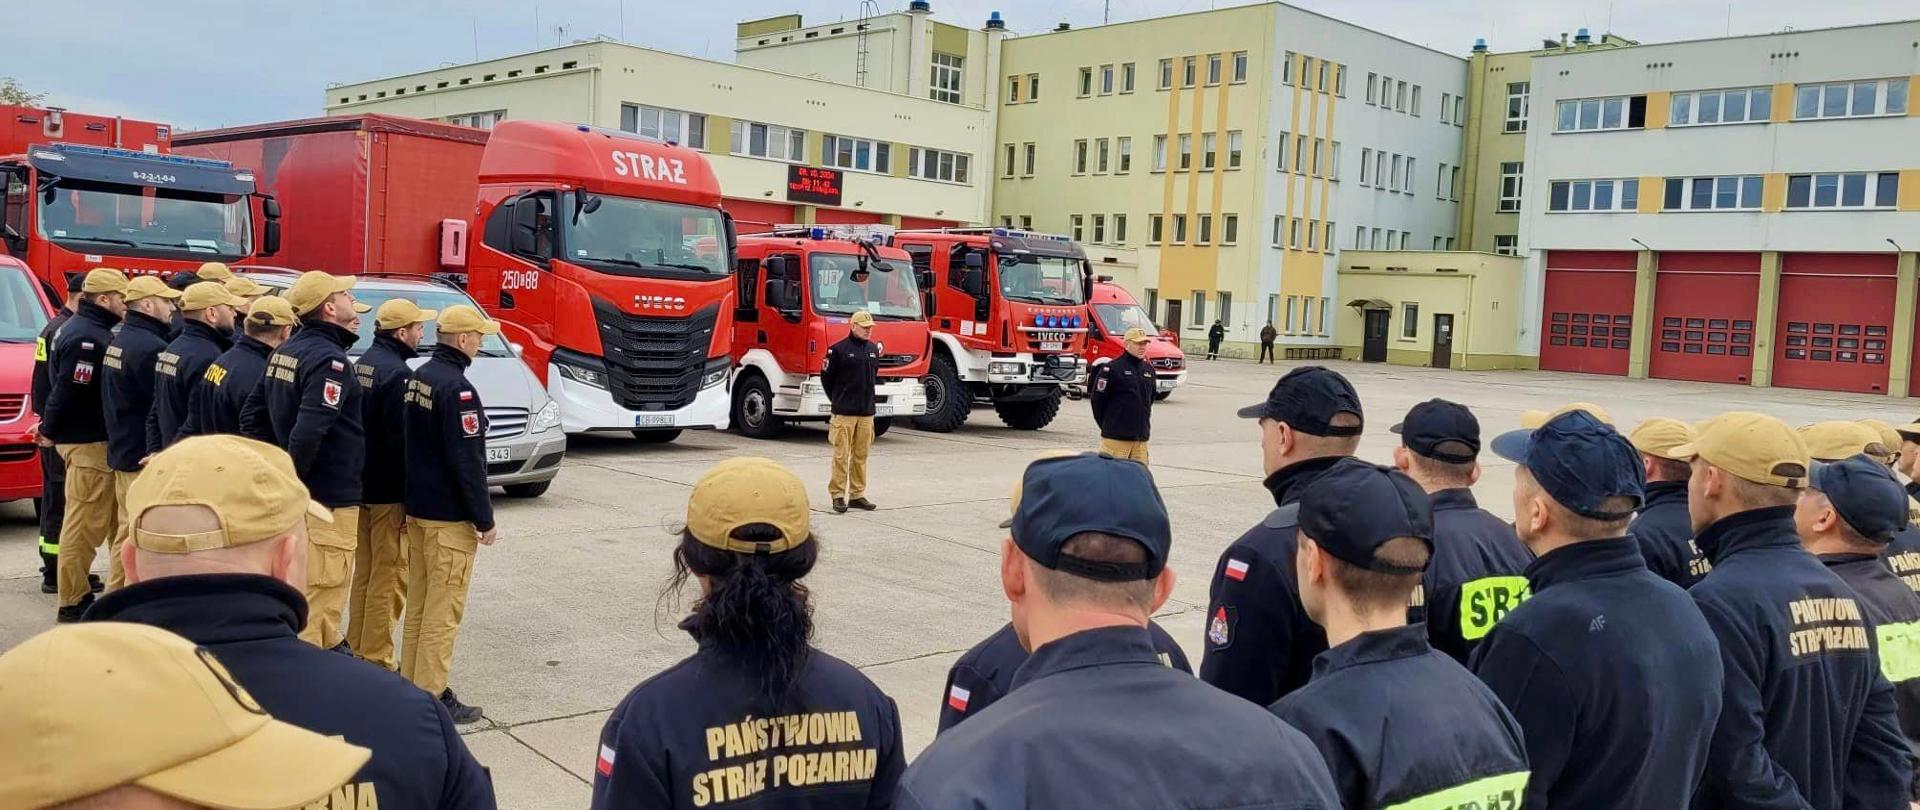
column 842, row 216
column 754, row 216
column 918, row 222
column 1588, row 311
column 1836, row 321
column 1703, row 306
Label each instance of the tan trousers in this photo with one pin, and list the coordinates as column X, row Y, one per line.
column 1136, row 451
column 439, row 569
column 851, row 436
column 379, row 583
column 92, row 518
column 329, row 574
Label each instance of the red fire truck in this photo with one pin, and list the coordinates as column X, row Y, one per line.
column 605, row 253
column 83, row 191
column 1008, row 310
column 797, row 287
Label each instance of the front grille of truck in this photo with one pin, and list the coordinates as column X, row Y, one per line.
column 654, row 364
column 1169, row 363
column 896, row 360
column 506, row 423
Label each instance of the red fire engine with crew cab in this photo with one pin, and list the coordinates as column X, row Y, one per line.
column 1008, row 312
column 1115, row 311
column 798, row 285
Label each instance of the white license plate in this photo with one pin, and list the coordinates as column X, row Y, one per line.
column 495, row 454
column 883, row 410
column 647, row 420
column 1053, row 346
column 1165, row 385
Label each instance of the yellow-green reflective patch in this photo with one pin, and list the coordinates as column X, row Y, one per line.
column 1501, row 792
column 40, row 349
column 1900, row 650
column 1483, row 602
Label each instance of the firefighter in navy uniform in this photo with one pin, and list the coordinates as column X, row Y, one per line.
column 1477, row 572
column 1662, row 528
column 207, row 332
column 248, row 291
column 1260, row 642
column 448, row 511
column 1399, row 723
column 126, row 396
column 849, row 373
column 221, row 393
column 1903, row 554
column 75, row 421
column 756, row 716
column 1610, row 670
column 1809, row 720
column 380, row 558
column 1845, row 517
column 1095, row 719
column 1122, row 397
column 309, row 403
column 53, row 473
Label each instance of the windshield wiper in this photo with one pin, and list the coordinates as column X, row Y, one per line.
column 182, row 245
column 108, row 239
column 696, row 267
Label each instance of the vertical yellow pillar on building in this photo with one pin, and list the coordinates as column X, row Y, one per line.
column 1643, row 277
column 1900, row 359
column 1765, row 313
column 803, row 214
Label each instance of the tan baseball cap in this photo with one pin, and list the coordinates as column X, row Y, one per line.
column 214, row 271
column 1753, row 446
column 398, row 312
column 250, row 486
column 1013, row 501
column 741, row 491
column 1837, row 439
column 1533, row 419
column 104, row 280
column 203, row 294
column 145, row 287
column 313, row 288
column 96, row 706
column 1889, row 437
column 1658, row 436
column 1137, row 335
column 861, row 318
column 460, row 319
column 272, row 309
column 245, row 287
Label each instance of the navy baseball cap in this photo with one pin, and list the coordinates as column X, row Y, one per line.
column 1580, row 461
column 1090, row 492
column 75, row 282
column 1354, row 508
column 1865, row 494
column 1442, row 431
column 1307, row 399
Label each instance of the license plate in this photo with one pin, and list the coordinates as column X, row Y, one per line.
column 647, row 420
column 496, row 454
column 883, row 410
column 1052, row 346
column 1165, row 385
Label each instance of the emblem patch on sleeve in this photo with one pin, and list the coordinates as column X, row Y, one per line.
column 470, row 422
column 1220, row 628
column 83, row 372
column 330, row 393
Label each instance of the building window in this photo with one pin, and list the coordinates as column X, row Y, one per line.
column 1594, row 195
column 1376, row 243
column 1407, row 186
column 1189, row 70
column 1459, row 111
column 1086, row 82
column 1006, row 167
column 755, row 139
column 1013, row 89
column 1226, row 308
column 1099, row 229
column 1199, row 308
column 1400, row 96
column 1213, row 69
column 933, row 164
column 1440, row 183
column 1100, row 161
column 1166, row 74
column 1126, row 78
column 1300, row 158
column 860, row 154
column 1275, row 241
column 1409, row 320
column 1359, row 237
column 1006, row 220
column 1366, row 166
column 1319, row 157
column 1293, row 233
column 1403, row 239
column 1511, row 174
column 482, row 120
column 1517, row 103
column 1851, row 99
column 1026, row 222
column 1204, row 229
column 1282, row 143
column 1030, row 151
column 1159, row 153
column 1446, row 107
column 1734, row 193
column 1233, row 149
column 1449, row 243
column 1852, row 190
column 1293, row 308
column 1119, row 229
column 1326, row 243
column 1078, row 227
column 1106, row 80
column 1239, row 67
column 1153, row 302
column 1324, row 69
column 1123, row 146
column 1372, row 79
column 945, row 85
column 1333, row 160
column 1229, row 230
column 1395, row 179
column 1325, row 304
column 685, row 128
column 1340, row 81
column 1286, row 69
column 1207, row 143
column 1596, row 114
column 1273, row 306
column 1436, row 244
column 1313, row 232
column 1752, row 104
column 1414, row 106
column 1186, row 151
column 1453, row 185
column 1154, row 223
column 1080, row 156
column 1033, row 87
column 1506, row 244
column 1179, row 229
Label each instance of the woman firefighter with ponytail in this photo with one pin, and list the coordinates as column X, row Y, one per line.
column 756, row 717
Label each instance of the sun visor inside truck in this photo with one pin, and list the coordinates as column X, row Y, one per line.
column 141, row 169
column 1038, row 244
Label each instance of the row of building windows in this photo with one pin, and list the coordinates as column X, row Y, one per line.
column 1098, row 235
column 1298, row 317
column 1287, row 233
column 461, row 82
column 1105, row 155
column 1388, row 172
column 1365, row 238
column 1210, row 153
column 1171, row 229
column 783, row 143
column 1314, row 157
column 1857, row 99
column 1189, row 71
column 1838, row 190
column 1111, row 79
column 1319, row 75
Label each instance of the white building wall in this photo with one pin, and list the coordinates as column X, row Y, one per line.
column 830, row 56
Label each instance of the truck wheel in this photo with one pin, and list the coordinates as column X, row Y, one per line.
column 880, row 426
column 948, row 400
column 1029, row 415
column 1161, row 396
column 656, row 436
column 532, row 489
column 753, row 408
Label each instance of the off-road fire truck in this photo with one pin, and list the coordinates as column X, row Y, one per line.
column 1008, row 311
column 797, row 286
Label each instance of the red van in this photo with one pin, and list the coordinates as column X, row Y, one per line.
column 24, row 310
column 1115, row 312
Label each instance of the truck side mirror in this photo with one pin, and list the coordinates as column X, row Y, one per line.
column 733, row 234
column 270, row 238
column 789, row 303
column 974, row 281
column 525, row 233
column 269, row 207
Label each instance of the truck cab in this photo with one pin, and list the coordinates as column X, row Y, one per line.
column 1115, row 311
column 1008, row 312
column 796, row 288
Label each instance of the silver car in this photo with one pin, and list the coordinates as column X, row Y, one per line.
column 524, row 441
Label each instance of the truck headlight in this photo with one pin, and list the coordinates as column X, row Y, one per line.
column 1003, row 368
column 548, row 417
column 584, row 376
column 713, row 378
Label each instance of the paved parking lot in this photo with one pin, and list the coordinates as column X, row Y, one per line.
column 566, row 612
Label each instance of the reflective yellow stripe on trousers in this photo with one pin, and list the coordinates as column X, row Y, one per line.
column 1899, row 650
column 1501, row 792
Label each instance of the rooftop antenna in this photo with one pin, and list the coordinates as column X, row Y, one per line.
column 476, row 38
column 1106, row 12
column 623, row 20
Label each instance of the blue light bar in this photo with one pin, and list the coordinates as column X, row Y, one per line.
column 109, row 152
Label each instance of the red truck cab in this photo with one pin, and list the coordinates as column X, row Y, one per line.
column 1115, row 311
column 796, row 290
column 1009, row 317
column 24, row 310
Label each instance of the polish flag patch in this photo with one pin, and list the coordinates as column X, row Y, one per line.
column 957, row 698
column 339, row 366
column 466, row 396
column 604, row 765
column 1236, row 569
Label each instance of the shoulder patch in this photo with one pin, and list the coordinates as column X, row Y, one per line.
column 83, row 372
column 1236, row 569
column 1220, row 627
column 466, row 395
column 470, row 423
column 957, row 698
column 337, row 365
column 331, row 392
column 604, row 764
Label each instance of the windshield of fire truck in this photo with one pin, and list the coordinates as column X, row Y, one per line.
column 626, row 236
column 841, row 287
column 144, row 220
column 1041, row 279
column 1118, row 318
column 21, row 316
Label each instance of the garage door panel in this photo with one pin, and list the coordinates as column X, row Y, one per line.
column 1703, row 309
column 1835, row 324
column 1587, row 313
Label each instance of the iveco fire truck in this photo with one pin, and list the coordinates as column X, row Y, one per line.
column 797, row 286
column 1008, row 310
column 605, row 253
column 77, row 197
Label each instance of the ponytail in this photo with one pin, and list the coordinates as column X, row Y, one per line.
column 756, row 612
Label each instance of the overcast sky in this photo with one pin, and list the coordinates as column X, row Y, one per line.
column 206, row 63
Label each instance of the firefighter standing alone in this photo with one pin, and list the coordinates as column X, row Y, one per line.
column 1122, row 398
column 851, row 371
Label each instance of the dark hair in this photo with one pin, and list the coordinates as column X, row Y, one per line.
column 756, row 611
column 259, row 327
column 1670, row 470
column 1376, row 590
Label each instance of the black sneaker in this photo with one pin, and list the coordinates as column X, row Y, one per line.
column 94, row 585
column 462, row 713
column 840, row 505
column 862, row 504
column 72, row 613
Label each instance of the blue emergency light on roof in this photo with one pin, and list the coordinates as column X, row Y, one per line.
column 59, row 151
column 817, row 233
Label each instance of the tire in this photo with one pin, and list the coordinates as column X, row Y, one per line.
column 753, row 408
column 656, row 436
column 533, row 489
column 1161, row 396
column 881, row 425
column 948, row 400
column 1029, row 415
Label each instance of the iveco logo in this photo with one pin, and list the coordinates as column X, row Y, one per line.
column 659, row 302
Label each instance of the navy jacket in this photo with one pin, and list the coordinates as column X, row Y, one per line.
column 850, row 372
column 221, row 394
column 704, row 733
column 1613, row 675
column 1096, row 721
column 984, row 674
column 309, row 402
column 1894, row 610
column 42, row 384
column 1808, row 720
column 383, row 373
column 1664, row 531
column 127, row 391
column 1121, row 394
column 1399, row 721
column 179, row 370
column 74, row 413
column 1903, row 554
column 1476, row 576
column 251, row 623
column 1260, row 641
column 446, row 433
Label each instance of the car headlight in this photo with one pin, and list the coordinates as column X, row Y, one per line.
column 1003, row 368
column 713, row 378
column 548, row 417
column 584, row 376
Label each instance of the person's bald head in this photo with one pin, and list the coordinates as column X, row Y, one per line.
column 283, row 557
